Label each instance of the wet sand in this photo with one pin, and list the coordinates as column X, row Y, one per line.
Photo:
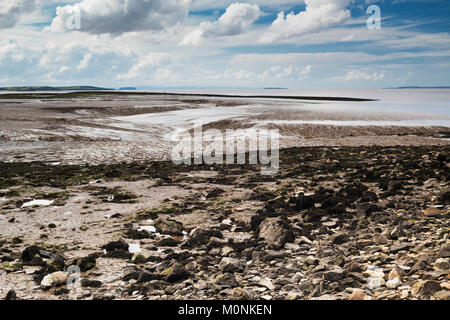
column 76, row 128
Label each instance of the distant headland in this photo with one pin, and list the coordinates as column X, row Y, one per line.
column 47, row 88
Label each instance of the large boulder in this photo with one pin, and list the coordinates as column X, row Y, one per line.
column 276, row 232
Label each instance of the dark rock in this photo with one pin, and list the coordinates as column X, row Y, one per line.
column 167, row 242
column 116, row 245
column 87, row 283
column 86, row 263
column 231, row 265
column 402, row 246
column 276, row 232
column 29, row 253
column 334, row 275
column 138, row 234
column 227, row 280
column 168, row 226
column 340, row 238
column 11, row 295
column 367, row 208
column 176, row 273
column 214, row 193
column 444, row 252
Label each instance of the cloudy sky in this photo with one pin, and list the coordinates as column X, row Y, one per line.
column 223, row 43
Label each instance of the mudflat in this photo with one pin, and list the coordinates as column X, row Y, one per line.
column 353, row 212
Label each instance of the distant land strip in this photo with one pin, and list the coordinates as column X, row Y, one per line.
column 81, row 93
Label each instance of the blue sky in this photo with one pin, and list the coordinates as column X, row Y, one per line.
column 222, row 43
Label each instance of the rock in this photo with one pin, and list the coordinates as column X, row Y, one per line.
column 54, row 279
column 241, row 294
column 276, row 232
column 334, row 275
column 352, row 266
column 214, row 193
column 176, row 273
column 444, row 252
column 58, row 263
column 395, row 273
column 11, row 295
column 442, row 264
column 116, row 245
column 84, row 227
column 367, row 208
column 394, row 283
column 340, row 238
column 167, row 241
column 444, row 197
column 442, row 295
column 226, row 279
column 201, row 236
column 87, row 263
column 432, row 212
column 267, row 282
column 29, row 253
column 357, row 294
column 12, row 266
column 425, row 288
column 168, row 226
column 138, row 258
column 87, row 283
column 402, row 246
column 231, row 265
column 137, row 234
column 375, row 283
column 380, row 239
column 397, row 233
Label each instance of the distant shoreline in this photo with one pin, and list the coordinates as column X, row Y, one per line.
column 26, row 95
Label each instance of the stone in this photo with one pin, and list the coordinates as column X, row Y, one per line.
column 176, row 273
column 54, row 279
column 168, row 226
column 334, row 275
column 357, row 294
column 402, row 246
column 12, row 266
column 395, row 273
column 88, row 283
column 380, row 239
column 86, row 263
column 442, row 264
column 442, row 295
column 29, row 253
column 444, row 252
column 231, row 265
column 394, row 283
column 226, row 279
column 241, row 294
column 425, row 288
column 267, row 282
column 276, row 232
column 340, row 238
column 167, row 241
column 375, row 283
column 432, row 212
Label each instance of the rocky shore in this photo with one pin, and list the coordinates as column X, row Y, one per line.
column 363, row 223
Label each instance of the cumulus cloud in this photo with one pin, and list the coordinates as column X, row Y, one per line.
column 116, row 17
column 319, row 14
column 236, row 19
column 12, row 11
column 360, row 75
column 147, row 65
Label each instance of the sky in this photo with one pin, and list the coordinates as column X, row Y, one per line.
column 297, row 44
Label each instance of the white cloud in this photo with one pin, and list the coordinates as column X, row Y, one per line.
column 236, row 19
column 318, row 15
column 360, row 75
column 119, row 16
column 148, row 65
column 12, row 11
